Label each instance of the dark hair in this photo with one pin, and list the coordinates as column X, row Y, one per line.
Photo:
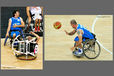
column 73, row 22
column 15, row 12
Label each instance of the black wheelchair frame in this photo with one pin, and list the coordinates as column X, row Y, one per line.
column 90, row 43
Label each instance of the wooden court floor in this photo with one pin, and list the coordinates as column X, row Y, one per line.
column 58, row 44
column 10, row 62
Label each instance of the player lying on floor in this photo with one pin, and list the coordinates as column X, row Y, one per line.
column 36, row 37
column 34, row 47
column 27, row 46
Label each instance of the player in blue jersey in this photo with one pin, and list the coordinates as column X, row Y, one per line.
column 15, row 25
column 83, row 34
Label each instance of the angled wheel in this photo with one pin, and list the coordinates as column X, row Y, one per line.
column 91, row 49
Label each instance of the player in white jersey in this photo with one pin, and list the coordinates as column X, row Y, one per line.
column 35, row 14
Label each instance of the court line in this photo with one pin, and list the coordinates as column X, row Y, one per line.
column 5, row 66
column 93, row 25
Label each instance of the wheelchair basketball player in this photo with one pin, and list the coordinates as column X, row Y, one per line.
column 83, row 34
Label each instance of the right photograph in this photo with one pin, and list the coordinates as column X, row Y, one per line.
column 78, row 37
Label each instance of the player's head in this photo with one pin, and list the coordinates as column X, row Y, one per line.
column 29, row 38
column 16, row 13
column 73, row 23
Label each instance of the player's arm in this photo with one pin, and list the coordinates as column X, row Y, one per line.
column 8, row 29
column 22, row 24
column 71, row 33
column 38, row 38
column 79, row 32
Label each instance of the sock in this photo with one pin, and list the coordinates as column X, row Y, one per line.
column 35, row 28
column 38, row 28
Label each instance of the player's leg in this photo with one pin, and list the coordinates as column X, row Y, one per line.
column 39, row 21
column 29, row 22
column 79, row 51
column 17, row 33
column 13, row 34
column 39, row 24
column 80, row 46
column 36, row 22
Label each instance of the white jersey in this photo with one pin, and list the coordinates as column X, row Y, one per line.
column 35, row 10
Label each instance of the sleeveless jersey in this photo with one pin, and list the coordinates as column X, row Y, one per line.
column 86, row 33
column 16, row 21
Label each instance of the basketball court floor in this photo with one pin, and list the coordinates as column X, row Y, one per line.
column 10, row 62
column 58, row 44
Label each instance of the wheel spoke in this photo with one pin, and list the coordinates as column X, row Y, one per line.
column 92, row 50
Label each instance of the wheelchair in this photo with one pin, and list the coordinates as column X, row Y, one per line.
column 91, row 48
column 23, row 48
column 9, row 42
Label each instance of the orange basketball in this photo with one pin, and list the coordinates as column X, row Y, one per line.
column 57, row 25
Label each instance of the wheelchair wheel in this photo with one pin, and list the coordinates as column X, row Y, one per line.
column 91, row 49
column 26, row 57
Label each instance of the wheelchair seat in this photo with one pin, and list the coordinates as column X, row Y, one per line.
column 94, row 35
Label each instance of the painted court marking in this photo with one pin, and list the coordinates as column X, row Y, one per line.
column 93, row 25
column 6, row 66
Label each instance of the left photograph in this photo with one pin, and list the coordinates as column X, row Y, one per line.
column 22, row 38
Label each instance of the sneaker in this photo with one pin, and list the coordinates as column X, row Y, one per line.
column 75, row 53
column 80, row 51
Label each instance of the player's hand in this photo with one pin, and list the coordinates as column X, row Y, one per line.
column 31, row 32
column 15, row 26
column 66, row 32
column 72, row 48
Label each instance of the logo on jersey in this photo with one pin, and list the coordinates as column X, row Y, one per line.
column 18, row 20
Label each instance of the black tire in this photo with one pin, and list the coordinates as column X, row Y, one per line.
column 23, row 57
column 95, row 43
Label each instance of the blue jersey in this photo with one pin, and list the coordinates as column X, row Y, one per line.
column 86, row 33
column 16, row 21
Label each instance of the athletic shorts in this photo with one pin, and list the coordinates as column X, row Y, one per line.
column 37, row 16
column 77, row 39
column 15, row 32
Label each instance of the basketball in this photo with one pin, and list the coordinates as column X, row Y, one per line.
column 57, row 25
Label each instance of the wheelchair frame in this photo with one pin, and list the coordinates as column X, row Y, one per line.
column 27, row 50
column 90, row 42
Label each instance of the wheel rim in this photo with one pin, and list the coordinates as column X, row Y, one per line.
column 91, row 51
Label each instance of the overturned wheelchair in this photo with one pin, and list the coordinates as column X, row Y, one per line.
column 24, row 46
column 91, row 49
